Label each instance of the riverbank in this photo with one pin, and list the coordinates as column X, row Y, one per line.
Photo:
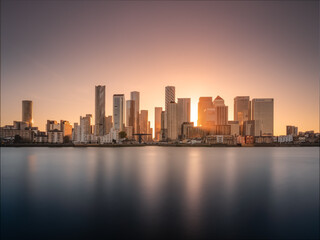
column 157, row 144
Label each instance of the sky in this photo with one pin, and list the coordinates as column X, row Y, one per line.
column 55, row 52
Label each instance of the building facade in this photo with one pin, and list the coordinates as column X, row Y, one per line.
column 172, row 121
column 157, row 123
column 27, row 108
column 100, row 107
column 242, row 109
column 108, row 124
column 248, row 128
column 184, row 129
column 203, row 104
column 118, row 112
column 55, row 136
column 235, row 128
column 164, row 130
column 52, row 125
column 130, row 113
column 24, row 135
column 20, row 125
column 66, row 129
column 135, row 96
column 262, row 113
column 221, row 117
column 143, row 119
column 85, row 128
column 170, row 96
column 183, row 112
column 292, row 130
column 76, row 133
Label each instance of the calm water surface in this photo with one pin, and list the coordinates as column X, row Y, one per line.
column 160, row 192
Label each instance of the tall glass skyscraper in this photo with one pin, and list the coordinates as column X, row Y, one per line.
column 262, row 114
column 221, row 111
column 203, row 104
column 242, row 109
column 100, row 106
column 27, row 112
column 118, row 112
column 183, row 112
column 135, row 96
column 157, row 123
column 170, row 96
column 130, row 113
column 172, row 121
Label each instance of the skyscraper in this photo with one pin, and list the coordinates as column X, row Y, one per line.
column 143, row 121
column 149, row 137
column 221, row 111
column 27, row 112
column 118, row 112
column 262, row 114
column 183, row 112
column 100, row 106
column 242, row 109
column 108, row 124
column 172, row 121
column 164, row 131
column 203, row 104
column 85, row 128
column 157, row 123
column 170, row 96
column 130, row 113
column 135, row 96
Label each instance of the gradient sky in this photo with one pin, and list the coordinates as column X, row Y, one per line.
column 55, row 52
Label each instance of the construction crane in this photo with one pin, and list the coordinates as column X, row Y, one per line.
column 140, row 135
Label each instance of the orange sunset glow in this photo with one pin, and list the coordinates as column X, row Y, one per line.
column 203, row 49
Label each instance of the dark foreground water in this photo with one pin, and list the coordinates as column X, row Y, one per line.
column 160, row 192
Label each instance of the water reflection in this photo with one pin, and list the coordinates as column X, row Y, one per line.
column 158, row 191
column 193, row 191
column 152, row 178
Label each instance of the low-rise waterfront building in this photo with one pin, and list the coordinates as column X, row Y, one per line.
column 40, row 137
column 55, row 136
column 21, row 125
column 221, row 139
column 292, row 130
column 263, row 139
column 249, row 139
column 285, row 139
column 17, row 134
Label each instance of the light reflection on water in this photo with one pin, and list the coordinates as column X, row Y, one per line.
column 160, row 192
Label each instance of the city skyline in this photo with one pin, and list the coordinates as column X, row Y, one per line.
column 216, row 102
column 209, row 54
